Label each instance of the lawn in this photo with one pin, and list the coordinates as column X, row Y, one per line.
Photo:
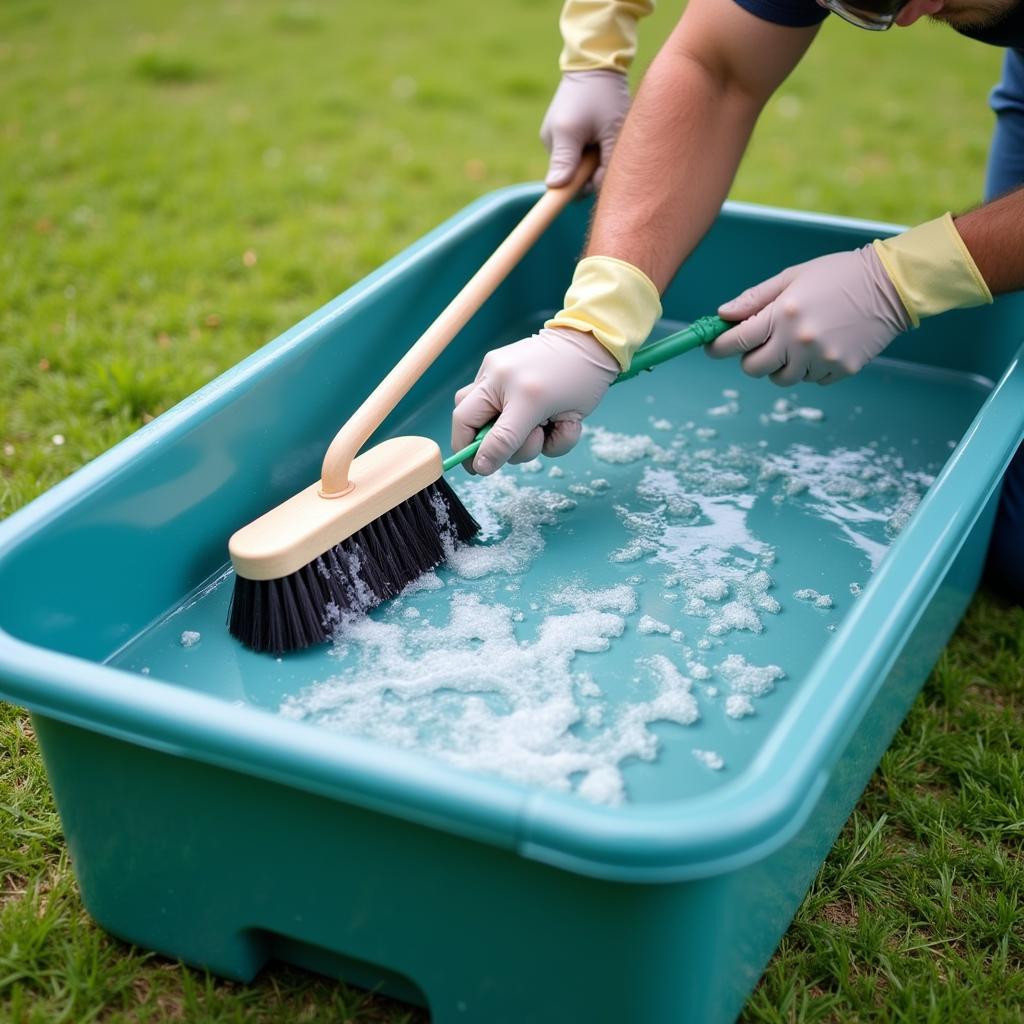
column 180, row 182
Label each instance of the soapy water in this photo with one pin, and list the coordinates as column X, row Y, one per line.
column 473, row 694
column 478, row 688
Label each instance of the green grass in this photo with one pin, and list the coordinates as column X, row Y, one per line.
column 181, row 182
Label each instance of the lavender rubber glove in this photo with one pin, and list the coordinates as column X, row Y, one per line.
column 588, row 108
column 818, row 321
column 538, row 390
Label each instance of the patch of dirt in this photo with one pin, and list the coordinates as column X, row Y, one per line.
column 841, row 913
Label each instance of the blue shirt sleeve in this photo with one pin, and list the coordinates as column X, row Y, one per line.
column 791, row 13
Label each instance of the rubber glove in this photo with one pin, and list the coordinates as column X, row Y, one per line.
column 600, row 33
column 538, row 389
column 588, row 108
column 818, row 321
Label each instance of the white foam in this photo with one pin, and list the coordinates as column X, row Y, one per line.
column 663, row 487
column 533, row 466
column 673, row 702
column 661, row 424
column 713, row 589
column 649, row 624
column 726, row 409
column 620, row 448
column 189, row 638
column 709, row 759
column 735, row 615
column 426, row 581
column 784, row 410
column 555, row 472
column 511, row 517
column 621, row 599
column 473, row 694
column 869, row 497
column 743, row 677
column 905, row 508
column 738, row 705
column 813, row 597
column 712, row 554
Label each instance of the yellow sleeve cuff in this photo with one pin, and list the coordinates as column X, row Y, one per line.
column 614, row 301
column 600, row 33
column 932, row 269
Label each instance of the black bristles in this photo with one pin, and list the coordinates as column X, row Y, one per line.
column 374, row 564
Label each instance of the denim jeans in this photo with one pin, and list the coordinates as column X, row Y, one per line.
column 1005, row 570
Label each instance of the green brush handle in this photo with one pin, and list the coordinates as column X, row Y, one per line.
column 700, row 332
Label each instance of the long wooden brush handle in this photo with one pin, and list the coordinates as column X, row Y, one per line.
column 334, row 480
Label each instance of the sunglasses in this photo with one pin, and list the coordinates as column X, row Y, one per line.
column 875, row 15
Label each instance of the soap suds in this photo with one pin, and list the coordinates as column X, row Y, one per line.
column 784, row 410
column 648, row 624
column 621, row 599
column 475, row 695
column 738, row 705
column 752, row 680
column 709, row 759
column 726, row 409
column 620, row 449
column 504, row 507
column 813, row 597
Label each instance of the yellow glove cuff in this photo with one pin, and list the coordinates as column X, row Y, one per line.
column 614, row 301
column 932, row 269
column 600, row 33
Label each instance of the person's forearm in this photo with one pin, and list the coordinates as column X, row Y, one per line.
column 994, row 236
column 684, row 137
column 672, row 168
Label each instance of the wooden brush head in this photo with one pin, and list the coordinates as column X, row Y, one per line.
column 307, row 525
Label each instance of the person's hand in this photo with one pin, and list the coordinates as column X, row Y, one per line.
column 818, row 321
column 538, row 390
column 588, row 109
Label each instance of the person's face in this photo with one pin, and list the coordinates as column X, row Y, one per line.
column 969, row 14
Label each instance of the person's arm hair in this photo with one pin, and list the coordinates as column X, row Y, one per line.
column 687, row 130
column 994, row 236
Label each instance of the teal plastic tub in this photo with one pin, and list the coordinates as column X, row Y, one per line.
column 206, row 824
